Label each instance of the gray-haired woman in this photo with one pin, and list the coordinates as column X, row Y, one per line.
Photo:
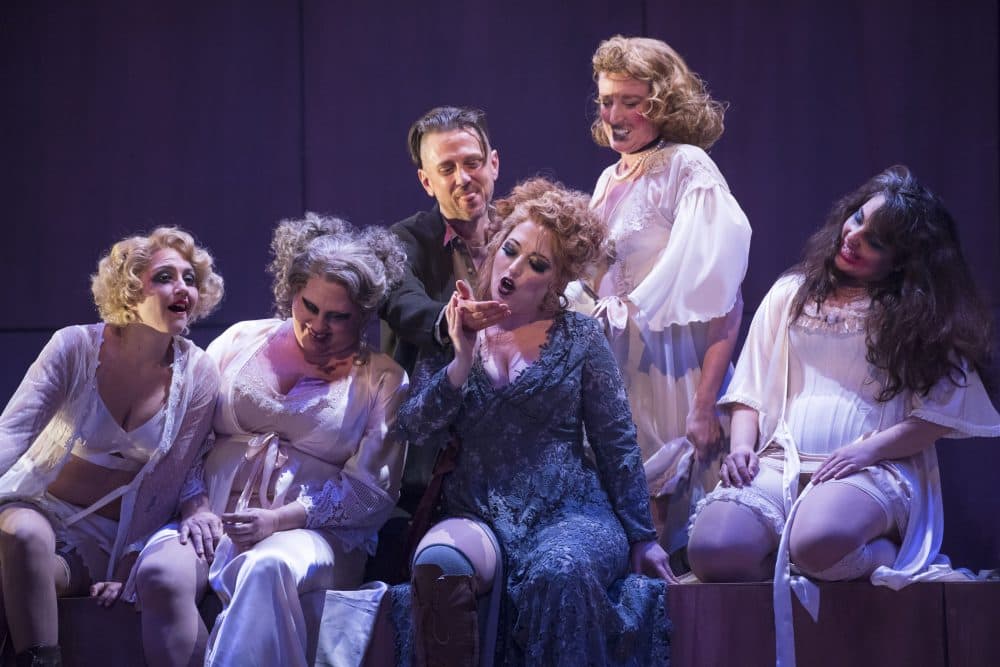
column 304, row 470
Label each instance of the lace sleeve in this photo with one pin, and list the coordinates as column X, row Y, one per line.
column 45, row 387
column 197, row 427
column 427, row 415
column 612, row 437
column 364, row 493
column 194, row 481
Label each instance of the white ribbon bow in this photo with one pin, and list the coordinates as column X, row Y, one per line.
column 614, row 312
column 268, row 455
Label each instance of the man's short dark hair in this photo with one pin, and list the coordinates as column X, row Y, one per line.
column 445, row 119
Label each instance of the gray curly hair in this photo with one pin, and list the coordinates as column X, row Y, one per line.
column 368, row 262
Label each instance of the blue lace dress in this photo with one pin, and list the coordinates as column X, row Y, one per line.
column 564, row 518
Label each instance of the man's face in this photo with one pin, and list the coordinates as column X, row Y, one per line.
column 457, row 173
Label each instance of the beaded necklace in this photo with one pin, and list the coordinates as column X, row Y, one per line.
column 640, row 161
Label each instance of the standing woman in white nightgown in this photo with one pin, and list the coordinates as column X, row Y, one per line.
column 670, row 295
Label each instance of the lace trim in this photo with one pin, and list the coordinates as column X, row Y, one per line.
column 847, row 317
column 658, row 161
column 962, row 427
column 764, row 511
column 177, row 368
column 347, row 503
column 251, row 386
column 544, row 362
column 694, row 172
column 173, row 400
column 639, row 167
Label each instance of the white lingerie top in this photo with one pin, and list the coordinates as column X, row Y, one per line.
column 829, row 379
column 327, row 445
column 108, row 445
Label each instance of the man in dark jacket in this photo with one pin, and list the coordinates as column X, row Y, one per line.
column 456, row 166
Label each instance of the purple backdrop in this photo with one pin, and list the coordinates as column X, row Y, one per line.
column 225, row 116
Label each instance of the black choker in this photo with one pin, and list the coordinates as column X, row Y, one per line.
column 651, row 144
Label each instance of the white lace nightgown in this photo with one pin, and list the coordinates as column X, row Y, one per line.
column 681, row 251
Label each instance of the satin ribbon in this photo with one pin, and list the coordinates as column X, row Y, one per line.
column 668, row 466
column 614, row 312
column 268, row 455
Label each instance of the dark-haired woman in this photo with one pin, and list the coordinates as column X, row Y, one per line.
column 857, row 361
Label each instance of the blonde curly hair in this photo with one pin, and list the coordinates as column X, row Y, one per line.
column 368, row 263
column 117, row 285
column 577, row 234
column 678, row 104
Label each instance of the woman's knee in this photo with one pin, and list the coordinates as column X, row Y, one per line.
column 470, row 540
column 833, row 520
column 814, row 547
column 721, row 549
column 447, row 558
column 25, row 536
column 269, row 565
column 722, row 561
column 167, row 574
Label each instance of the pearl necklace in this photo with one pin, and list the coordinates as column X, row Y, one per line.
column 640, row 161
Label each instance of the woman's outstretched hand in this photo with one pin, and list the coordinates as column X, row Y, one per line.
column 478, row 315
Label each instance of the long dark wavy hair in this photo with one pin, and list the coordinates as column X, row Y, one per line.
column 926, row 318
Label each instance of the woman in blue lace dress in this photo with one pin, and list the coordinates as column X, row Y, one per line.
column 568, row 514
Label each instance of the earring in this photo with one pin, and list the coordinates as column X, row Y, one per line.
column 553, row 302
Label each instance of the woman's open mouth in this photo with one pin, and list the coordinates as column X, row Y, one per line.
column 506, row 286
column 620, row 133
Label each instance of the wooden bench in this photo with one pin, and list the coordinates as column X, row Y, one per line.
column 715, row 625
column 923, row 625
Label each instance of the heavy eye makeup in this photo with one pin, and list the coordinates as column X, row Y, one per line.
column 874, row 241
column 538, row 263
column 166, row 275
column 333, row 315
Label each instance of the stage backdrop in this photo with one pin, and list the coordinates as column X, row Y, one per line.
column 226, row 116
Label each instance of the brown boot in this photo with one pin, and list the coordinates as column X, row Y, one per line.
column 39, row 656
column 445, row 618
